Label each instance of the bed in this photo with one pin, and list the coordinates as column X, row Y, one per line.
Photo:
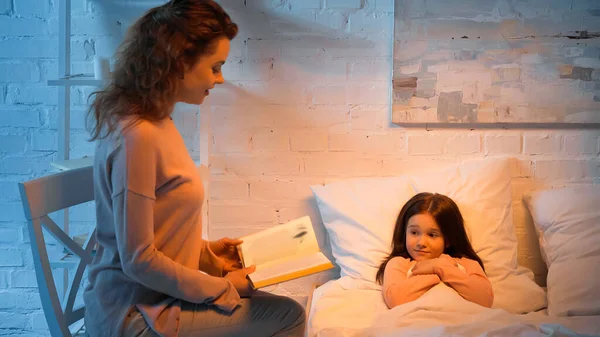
column 539, row 244
column 348, row 307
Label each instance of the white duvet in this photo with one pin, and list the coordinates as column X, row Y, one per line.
column 351, row 308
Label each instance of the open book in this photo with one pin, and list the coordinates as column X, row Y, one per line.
column 283, row 253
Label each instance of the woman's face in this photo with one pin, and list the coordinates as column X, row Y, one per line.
column 203, row 76
column 424, row 239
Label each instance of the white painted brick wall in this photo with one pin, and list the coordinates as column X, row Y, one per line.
column 505, row 143
column 270, row 140
column 5, row 6
column 19, row 71
column 4, row 279
column 343, row 4
column 23, row 279
column 581, row 143
column 306, row 102
column 305, row 4
column 390, row 143
column 35, row 8
column 426, row 144
column 18, row 117
column 308, row 141
column 9, row 235
column 12, row 143
column 229, row 190
column 536, row 143
column 11, row 258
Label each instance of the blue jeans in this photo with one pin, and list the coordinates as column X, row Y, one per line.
column 261, row 315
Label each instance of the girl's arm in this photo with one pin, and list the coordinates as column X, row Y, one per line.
column 397, row 289
column 472, row 284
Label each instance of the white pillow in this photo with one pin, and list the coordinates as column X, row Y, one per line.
column 360, row 216
column 568, row 224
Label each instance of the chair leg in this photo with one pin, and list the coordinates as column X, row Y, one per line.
column 46, row 286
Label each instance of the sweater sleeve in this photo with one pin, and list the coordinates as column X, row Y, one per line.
column 398, row 289
column 134, row 182
column 472, row 284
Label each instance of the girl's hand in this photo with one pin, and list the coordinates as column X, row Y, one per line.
column 433, row 266
column 447, row 261
column 425, row 267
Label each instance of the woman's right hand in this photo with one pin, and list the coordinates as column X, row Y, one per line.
column 240, row 281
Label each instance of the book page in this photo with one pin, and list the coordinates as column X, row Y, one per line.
column 283, row 267
column 295, row 238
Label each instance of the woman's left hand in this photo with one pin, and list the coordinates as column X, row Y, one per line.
column 225, row 249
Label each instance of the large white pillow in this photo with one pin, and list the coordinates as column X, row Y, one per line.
column 359, row 216
column 568, row 224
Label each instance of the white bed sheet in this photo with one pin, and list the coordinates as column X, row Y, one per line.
column 348, row 307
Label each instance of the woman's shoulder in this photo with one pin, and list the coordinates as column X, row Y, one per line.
column 142, row 132
column 135, row 127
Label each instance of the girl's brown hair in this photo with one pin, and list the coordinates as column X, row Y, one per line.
column 447, row 216
column 157, row 50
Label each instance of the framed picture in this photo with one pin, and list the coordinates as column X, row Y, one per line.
column 481, row 62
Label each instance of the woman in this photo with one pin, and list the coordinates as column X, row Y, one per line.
column 153, row 275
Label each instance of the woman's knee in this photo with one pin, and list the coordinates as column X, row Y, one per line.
column 298, row 310
column 296, row 315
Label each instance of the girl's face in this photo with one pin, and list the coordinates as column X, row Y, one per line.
column 205, row 74
column 424, row 239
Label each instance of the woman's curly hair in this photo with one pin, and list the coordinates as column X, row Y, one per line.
column 157, row 50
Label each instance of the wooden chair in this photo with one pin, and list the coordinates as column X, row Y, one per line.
column 41, row 197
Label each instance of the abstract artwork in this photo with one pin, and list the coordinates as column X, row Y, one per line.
column 483, row 61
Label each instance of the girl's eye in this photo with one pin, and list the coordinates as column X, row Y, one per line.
column 433, row 235
column 413, row 232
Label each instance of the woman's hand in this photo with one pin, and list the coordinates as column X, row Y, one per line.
column 225, row 248
column 240, row 281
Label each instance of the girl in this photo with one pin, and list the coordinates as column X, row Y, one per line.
column 429, row 246
column 153, row 274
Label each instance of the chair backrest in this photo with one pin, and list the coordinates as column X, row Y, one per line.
column 41, row 197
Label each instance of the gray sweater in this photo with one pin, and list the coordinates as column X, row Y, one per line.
column 149, row 228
